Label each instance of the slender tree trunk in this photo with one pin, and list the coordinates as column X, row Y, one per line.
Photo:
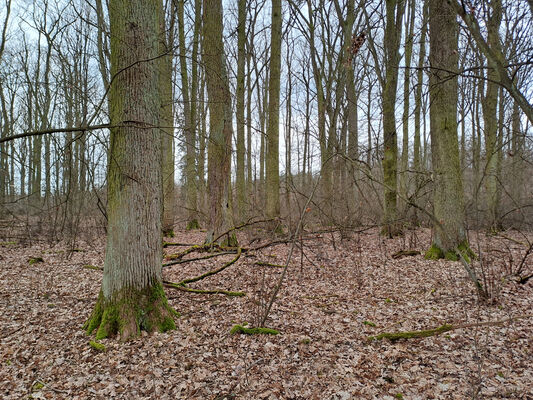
column 393, row 33
column 409, row 28
column 417, row 151
column 189, row 130
column 490, row 122
column 240, row 183
column 132, row 296
column 272, row 158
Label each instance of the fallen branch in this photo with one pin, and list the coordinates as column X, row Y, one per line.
column 202, row 291
column 182, row 285
column 393, row 336
column 197, row 258
column 405, row 253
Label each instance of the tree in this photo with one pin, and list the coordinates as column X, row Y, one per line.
column 220, row 123
column 241, row 60
column 190, row 132
column 166, row 43
column 132, row 297
column 272, row 158
column 495, row 57
column 448, row 200
column 393, row 34
column 490, row 119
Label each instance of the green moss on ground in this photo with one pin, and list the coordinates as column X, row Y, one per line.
column 193, row 224
column 35, row 260
column 252, row 331
column 97, row 346
column 169, row 233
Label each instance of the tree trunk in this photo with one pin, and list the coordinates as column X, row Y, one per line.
column 448, row 186
column 220, row 124
column 490, row 119
column 132, row 296
column 393, row 33
column 272, row 156
column 166, row 49
column 240, row 184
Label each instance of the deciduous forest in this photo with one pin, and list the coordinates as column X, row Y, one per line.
column 244, row 199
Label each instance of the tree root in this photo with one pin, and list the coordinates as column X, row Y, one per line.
column 393, row 336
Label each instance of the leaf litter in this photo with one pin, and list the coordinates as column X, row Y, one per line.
column 335, row 295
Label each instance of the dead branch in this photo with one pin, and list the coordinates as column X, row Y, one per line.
column 393, row 336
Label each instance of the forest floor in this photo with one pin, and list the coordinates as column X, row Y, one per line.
column 340, row 292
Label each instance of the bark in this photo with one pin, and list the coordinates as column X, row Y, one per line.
column 272, row 156
column 132, row 298
column 189, row 131
column 448, row 200
column 490, row 120
column 393, row 32
column 220, row 122
column 417, row 151
column 409, row 29
column 241, row 59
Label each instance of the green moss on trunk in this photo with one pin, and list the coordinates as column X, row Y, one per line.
column 436, row 253
column 130, row 311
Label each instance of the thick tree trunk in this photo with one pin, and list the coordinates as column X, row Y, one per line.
column 132, row 297
column 448, row 186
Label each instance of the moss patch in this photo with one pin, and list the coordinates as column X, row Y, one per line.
column 193, row 224
column 97, row 346
column 169, row 233
column 436, row 253
column 35, row 260
column 252, row 331
column 130, row 311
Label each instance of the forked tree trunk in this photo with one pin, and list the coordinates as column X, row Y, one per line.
column 132, row 297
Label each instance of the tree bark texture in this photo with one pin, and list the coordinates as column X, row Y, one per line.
column 448, row 186
column 272, row 156
column 220, row 122
column 132, row 298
